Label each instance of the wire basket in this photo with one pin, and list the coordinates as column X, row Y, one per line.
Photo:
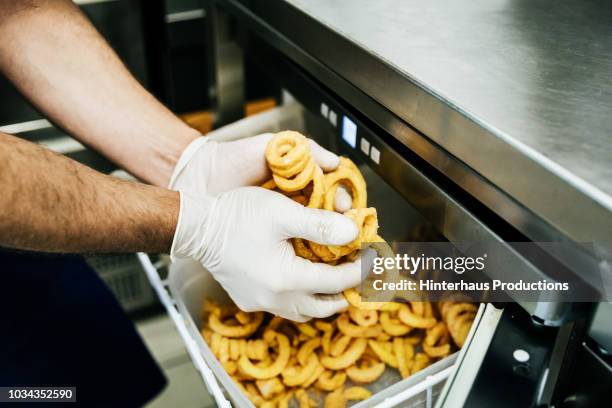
column 124, row 275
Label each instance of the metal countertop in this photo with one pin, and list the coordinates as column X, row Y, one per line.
column 525, row 86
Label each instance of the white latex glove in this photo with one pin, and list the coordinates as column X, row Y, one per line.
column 208, row 167
column 241, row 237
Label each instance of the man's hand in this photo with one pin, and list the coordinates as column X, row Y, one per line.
column 241, row 237
column 208, row 167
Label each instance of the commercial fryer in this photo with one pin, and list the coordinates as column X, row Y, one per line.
column 480, row 120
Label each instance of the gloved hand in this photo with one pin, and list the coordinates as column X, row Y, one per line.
column 207, row 167
column 241, row 237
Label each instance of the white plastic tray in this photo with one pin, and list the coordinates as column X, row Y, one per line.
column 189, row 285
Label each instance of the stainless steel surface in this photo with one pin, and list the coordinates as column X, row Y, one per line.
column 529, row 85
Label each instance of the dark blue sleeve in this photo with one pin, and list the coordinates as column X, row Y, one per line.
column 61, row 326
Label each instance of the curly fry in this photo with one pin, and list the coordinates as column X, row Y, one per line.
column 224, row 350
column 354, row 298
column 323, row 326
column 274, row 323
column 207, row 334
column 383, row 353
column 369, row 355
column 429, row 312
column 364, row 318
column 437, row 351
column 294, row 376
column 269, row 388
column 216, row 325
column 351, row 330
column 288, row 156
column 215, row 341
column 421, row 360
column 243, row 317
column 284, row 399
column 335, row 399
column 392, row 326
column 315, row 376
column 412, row 319
column 269, row 185
column 326, row 341
column 304, row 400
column 390, row 307
column 348, row 358
column 459, row 318
column 300, row 199
column 365, row 375
column 418, row 308
column 348, row 174
column 274, row 369
column 307, row 329
column 408, row 350
column 257, row 350
column 318, row 189
column 437, row 335
column 461, row 328
column 400, row 353
column 253, row 394
column 451, row 309
column 367, row 224
column 303, row 250
column 323, row 252
column 414, row 339
column 307, row 349
column 357, row 394
column 339, row 345
column 230, row 367
column 234, row 349
column 329, row 381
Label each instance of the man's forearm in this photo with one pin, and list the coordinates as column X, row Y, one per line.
column 56, row 58
column 52, row 203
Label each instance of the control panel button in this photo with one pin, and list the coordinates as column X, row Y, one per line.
column 349, row 132
column 333, row 118
column 324, row 109
column 375, row 155
column 365, row 146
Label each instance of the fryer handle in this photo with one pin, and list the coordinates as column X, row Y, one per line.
column 160, row 286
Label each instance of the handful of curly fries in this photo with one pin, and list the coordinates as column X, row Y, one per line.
column 274, row 360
